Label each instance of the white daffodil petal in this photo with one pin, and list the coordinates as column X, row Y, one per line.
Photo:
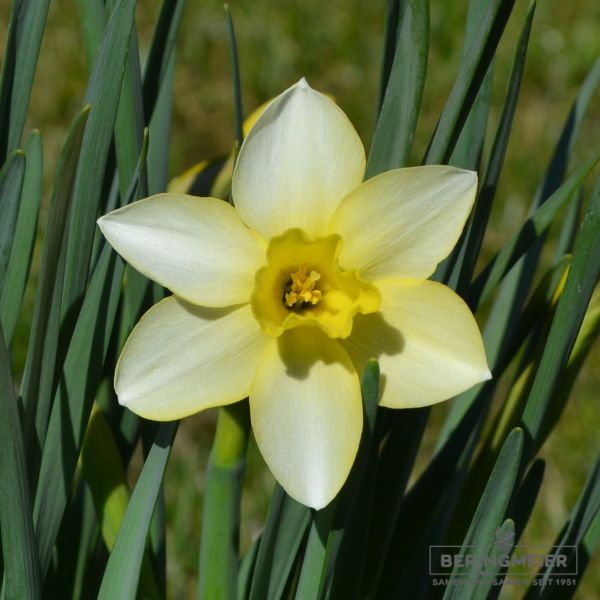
column 197, row 247
column 306, row 413
column 181, row 359
column 426, row 340
column 299, row 160
column 404, row 222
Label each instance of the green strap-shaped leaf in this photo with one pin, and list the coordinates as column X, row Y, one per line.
column 25, row 30
column 587, row 337
column 11, row 297
column 399, row 447
column 471, row 73
column 160, row 134
column 161, row 52
column 347, row 543
column 158, row 73
column 469, row 146
column 555, row 173
column 534, row 227
column 563, row 151
column 569, row 226
column 426, row 511
column 533, row 322
column 106, row 477
column 11, row 182
column 311, row 575
column 499, row 552
column 390, row 40
column 522, row 275
column 19, row 548
column 219, row 545
column 539, row 313
column 83, row 550
column 474, row 237
column 510, row 266
column 129, row 122
column 154, row 563
column 577, row 541
column 397, row 120
column 246, row 570
column 137, row 105
column 122, row 574
column 501, row 348
column 93, row 21
column 490, row 512
column 77, row 384
column 37, row 387
column 103, row 95
column 76, row 545
column 527, row 496
column 235, row 76
column 582, row 278
column 285, row 528
column 519, row 281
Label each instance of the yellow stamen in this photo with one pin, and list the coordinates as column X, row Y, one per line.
column 301, row 289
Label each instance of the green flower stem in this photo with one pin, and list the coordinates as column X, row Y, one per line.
column 219, row 545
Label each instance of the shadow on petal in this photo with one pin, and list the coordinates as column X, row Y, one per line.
column 373, row 337
column 303, row 347
column 204, row 312
column 376, row 336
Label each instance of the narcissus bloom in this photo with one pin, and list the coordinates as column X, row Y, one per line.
column 286, row 296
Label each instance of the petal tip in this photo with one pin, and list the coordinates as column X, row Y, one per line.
column 119, row 392
column 303, row 84
column 103, row 222
column 321, row 504
column 468, row 176
column 124, row 402
column 487, row 375
column 316, row 501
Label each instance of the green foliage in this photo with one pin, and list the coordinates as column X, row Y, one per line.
column 490, row 513
column 13, row 286
column 78, row 509
column 219, row 552
column 406, row 49
column 21, row 566
column 122, row 573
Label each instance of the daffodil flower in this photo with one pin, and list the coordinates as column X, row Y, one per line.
column 285, row 297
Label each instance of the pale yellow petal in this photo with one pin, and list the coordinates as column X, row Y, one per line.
column 404, row 222
column 197, row 247
column 306, row 413
column 181, row 359
column 299, row 160
column 426, row 340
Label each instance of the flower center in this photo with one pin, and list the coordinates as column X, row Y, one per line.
column 300, row 289
column 303, row 284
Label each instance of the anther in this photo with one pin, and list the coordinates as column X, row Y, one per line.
column 300, row 288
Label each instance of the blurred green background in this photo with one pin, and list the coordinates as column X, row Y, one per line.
column 337, row 46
